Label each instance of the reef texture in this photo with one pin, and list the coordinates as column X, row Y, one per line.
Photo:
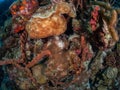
column 61, row 45
column 49, row 21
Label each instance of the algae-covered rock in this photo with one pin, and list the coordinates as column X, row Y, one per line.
column 102, row 88
column 111, row 73
column 38, row 74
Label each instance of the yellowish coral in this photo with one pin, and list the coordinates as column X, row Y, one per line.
column 54, row 23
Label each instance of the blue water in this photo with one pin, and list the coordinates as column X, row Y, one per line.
column 1, row 0
column 4, row 5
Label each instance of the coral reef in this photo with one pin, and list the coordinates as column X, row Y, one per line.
column 94, row 19
column 21, row 12
column 60, row 45
column 50, row 22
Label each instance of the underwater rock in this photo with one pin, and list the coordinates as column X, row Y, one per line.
column 102, row 88
column 111, row 73
column 20, row 78
column 62, row 67
column 38, row 74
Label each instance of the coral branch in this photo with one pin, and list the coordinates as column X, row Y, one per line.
column 112, row 24
column 38, row 58
column 10, row 61
column 113, row 33
column 23, row 39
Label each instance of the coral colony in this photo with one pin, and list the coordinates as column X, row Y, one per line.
column 61, row 45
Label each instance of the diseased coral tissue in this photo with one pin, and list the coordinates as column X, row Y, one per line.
column 61, row 45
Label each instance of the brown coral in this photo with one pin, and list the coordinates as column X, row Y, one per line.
column 50, row 22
